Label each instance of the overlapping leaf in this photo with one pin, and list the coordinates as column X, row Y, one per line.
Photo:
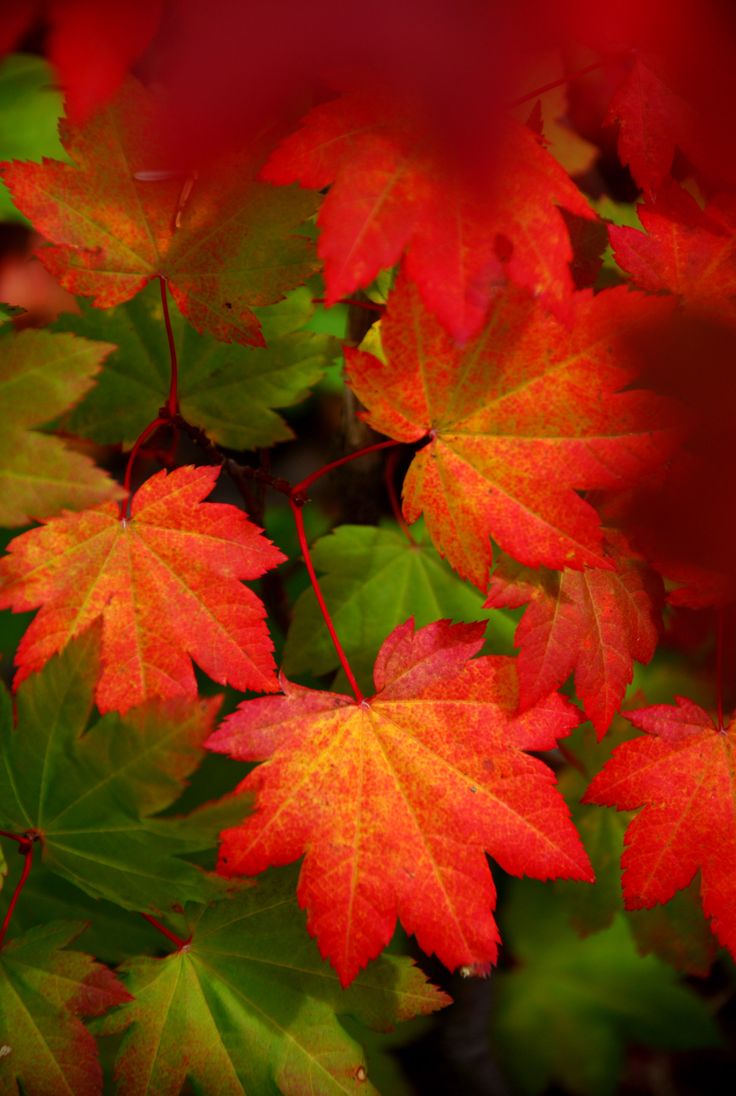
column 598, row 994
column 248, row 1006
column 682, row 773
column 229, row 247
column 229, row 391
column 89, row 795
column 686, row 250
column 392, row 192
column 43, row 992
column 395, row 800
column 678, row 932
column 591, row 622
column 374, row 579
column 41, row 376
column 653, row 121
column 516, row 421
column 166, row 583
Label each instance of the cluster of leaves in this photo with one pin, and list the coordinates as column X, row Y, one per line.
column 551, row 448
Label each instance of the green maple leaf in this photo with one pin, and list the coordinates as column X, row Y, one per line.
column 249, row 1006
column 598, row 994
column 228, row 390
column 89, row 794
column 373, row 580
column 42, row 375
column 111, row 934
column 44, row 1046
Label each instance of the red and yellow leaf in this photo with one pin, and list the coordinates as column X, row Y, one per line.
column 166, row 583
column 392, row 192
column 592, row 622
column 683, row 774
column 115, row 220
column 517, row 421
column 397, row 799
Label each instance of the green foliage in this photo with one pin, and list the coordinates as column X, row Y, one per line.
column 30, row 108
column 228, row 390
column 373, row 579
column 91, row 791
column 570, row 1007
column 248, row 1006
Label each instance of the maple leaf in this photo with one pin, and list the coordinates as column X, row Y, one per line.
column 653, row 121
column 397, row 799
column 43, row 991
column 41, row 375
column 248, row 1006
column 374, row 579
column 166, row 583
column 564, row 992
column 229, row 391
column 392, row 193
column 111, row 230
column 89, row 793
column 677, row 932
column 682, row 773
column 592, row 622
column 686, row 250
column 516, row 419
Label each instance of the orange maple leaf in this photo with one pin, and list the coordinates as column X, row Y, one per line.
column 166, row 583
column 517, row 419
column 593, row 622
column 396, row 799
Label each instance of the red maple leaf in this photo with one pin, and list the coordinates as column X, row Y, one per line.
column 683, row 774
column 686, row 250
column 166, row 583
column 653, row 121
column 392, row 192
column 517, row 419
column 223, row 241
column 395, row 800
column 593, row 622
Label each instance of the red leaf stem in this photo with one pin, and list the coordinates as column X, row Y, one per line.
column 25, row 848
column 300, row 531
column 177, row 940
column 140, row 441
column 554, row 84
column 306, row 483
column 20, row 838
